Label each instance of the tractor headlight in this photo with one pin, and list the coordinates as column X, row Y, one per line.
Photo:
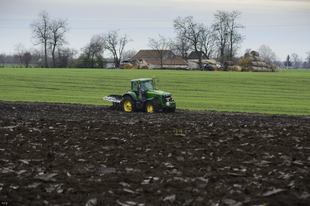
column 167, row 104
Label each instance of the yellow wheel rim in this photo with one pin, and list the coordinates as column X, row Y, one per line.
column 150, row 108
column 127, row 106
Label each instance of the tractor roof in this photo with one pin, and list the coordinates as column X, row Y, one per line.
column 141, row 80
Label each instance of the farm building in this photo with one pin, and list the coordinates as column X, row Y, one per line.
column 194, row 56
column 109, row 63
column 150, row 59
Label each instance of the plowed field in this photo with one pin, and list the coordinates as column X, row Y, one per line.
column 62, row 154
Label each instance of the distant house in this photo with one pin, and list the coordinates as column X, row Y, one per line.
column 194, row 55
column 109, row 63
column 151, row 59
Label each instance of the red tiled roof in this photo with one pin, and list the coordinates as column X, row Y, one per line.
column 146, row 54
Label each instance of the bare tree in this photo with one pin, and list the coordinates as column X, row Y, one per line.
column 266, row 53
column 234, row 36
column 27, row 58
column 221, row 27
column 208, row 41
column 2, row 58
column 64, row 55
column 58, row 29
column 19, row 52
column 295, row 59
column 116, row 44
column 94, row 49
column 160, row 46
column 41, row 31
column 306, row 64
column 277, row 61
column 191, row 31
column 299, row 62
column 227, row 35
column 129, row 53
column 180, row 46
column 308, row 56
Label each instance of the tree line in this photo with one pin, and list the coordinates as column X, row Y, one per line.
column 221, row 41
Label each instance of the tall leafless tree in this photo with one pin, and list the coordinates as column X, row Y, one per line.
column 191, row 31
column 266, row 53
column 227, row 36
column 180, row 46
column 115, row 44
column 221, row 27
column 41, row 31
column 64, row 55
column 95, row 48
column 58, row 28
column 208, row 42
column 19, row 52
column 27, row 58
column 308, row 56
column 295, row 57
column 129, row 53
column 306, row 64
column 234, row 36
column 160, row 46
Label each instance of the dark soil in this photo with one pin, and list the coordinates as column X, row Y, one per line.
column 62, row 154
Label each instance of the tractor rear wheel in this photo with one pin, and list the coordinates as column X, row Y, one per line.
column 128, row 104
column 151, row 106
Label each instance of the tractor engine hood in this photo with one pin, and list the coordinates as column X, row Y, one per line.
column 157, row 92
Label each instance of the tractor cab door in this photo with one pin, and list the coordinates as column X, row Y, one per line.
column 135, row 87
column 143, row 88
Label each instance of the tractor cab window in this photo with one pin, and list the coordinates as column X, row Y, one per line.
column 147, row 85
column 134, row 87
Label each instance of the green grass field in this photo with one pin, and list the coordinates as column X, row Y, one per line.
column 286, row 92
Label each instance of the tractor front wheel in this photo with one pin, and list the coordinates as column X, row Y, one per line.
column 151, row 106
column 128, row 104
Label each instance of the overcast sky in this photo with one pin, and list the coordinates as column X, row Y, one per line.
column 283, row 25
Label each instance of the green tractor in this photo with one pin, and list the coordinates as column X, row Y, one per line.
column 143, row 97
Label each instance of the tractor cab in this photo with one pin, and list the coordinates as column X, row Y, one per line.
column 141, row 86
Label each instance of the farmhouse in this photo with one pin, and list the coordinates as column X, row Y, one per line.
column 109, row 63
column 194, row 56
column 151, row 59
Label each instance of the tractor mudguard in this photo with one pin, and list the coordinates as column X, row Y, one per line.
column 132, row 94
